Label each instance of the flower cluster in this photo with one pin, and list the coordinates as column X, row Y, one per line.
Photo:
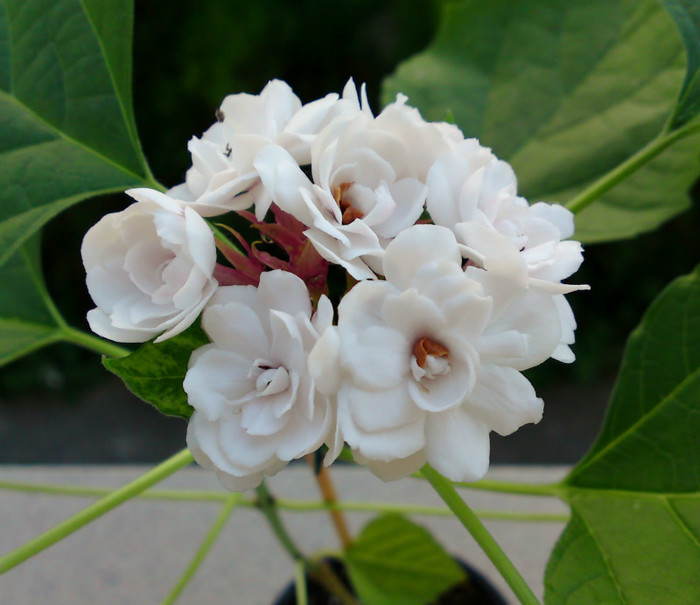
column 456, row 287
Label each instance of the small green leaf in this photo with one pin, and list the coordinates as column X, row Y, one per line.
column 565, row 91
column 396, row 561
column 67, row 130
column 686, row 14
column 634, row 536
column 28, row 319
column 155, row 372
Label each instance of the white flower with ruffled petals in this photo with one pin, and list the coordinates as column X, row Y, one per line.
column 256, row 405
column 149, row 269
column 474, row 193
column 368, row 182
column 423, row 364
column 222, row 177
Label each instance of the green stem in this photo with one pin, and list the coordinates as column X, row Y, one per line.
column 93, row 343
column 204, row 548
column 321, row 572
column 152, row 182
column 98, row 492
column 507, row 487
column 281, row 503
column 416, row 509
column 629, row 167
column 300, row 583
column 267, row 505
column 471, row 522
column 95, row 510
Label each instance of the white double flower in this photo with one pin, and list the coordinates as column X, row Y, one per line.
column 367, row 182
column 256, row 405
column 149, row 269
column 222, row 177
column 424, row 364
column 474, row 194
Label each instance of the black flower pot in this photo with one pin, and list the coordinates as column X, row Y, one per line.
column 474, row 590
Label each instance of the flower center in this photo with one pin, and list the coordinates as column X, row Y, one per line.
column 349, row 212
column 430, row 359
column 271, row 380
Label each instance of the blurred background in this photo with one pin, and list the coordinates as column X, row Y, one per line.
column 60, row 406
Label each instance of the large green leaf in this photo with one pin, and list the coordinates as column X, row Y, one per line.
column 155, row 372
column 67, row 130
column 396, row 561
column 565, row 91
column 686, row 14
column 627, row 548
column 27, row 319
column 634, row 536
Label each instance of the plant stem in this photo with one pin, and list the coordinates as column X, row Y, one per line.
column 330, row 497
column 98, row 492
column 629, row 167
column 204, row 548
column 153, row 183
column 321, row 572
column 95, row 510
column 471, row 522
column 324, row 575
column 300, row 584
column 415, row 509
column 267, row 505
column 507, row 487
column 281, row 503
column 93, row 343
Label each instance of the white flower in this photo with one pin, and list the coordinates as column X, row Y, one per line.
column 222, row 177
column 368, row 182
column 475, row 194
column 149, row 269
column 423, row 367
column 424, row 141
column 256, row 406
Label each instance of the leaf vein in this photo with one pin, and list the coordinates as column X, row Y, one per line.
column 635, row 426
column 73, row 141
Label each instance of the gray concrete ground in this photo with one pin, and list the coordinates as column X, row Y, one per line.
column 136, row 553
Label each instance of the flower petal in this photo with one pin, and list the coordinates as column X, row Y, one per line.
column 386, row 445
column 504, row 399
column 375, row 411
column 457, row 445
column 416, row 247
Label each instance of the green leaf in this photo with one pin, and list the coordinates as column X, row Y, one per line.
column 651, row 196
column 634, row 536
column 28, row 319
column 650, row 435
column 396, row 561
column 627, row 548
column 67, row 130
column 565, row 91
column 155, row 372
column 686, row 14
